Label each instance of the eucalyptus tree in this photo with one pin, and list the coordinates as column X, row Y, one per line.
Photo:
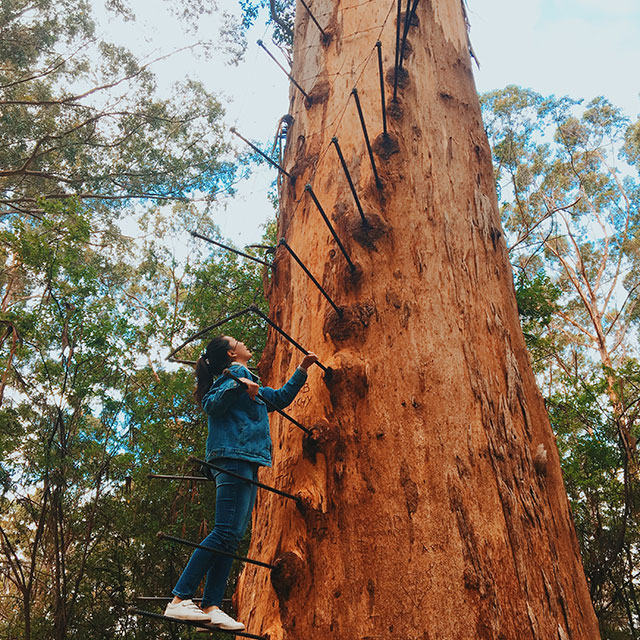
column 80, row 117
column 85, row 140
column 431, row 497
column 568, row 176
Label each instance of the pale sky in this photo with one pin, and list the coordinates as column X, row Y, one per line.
column 580, row 48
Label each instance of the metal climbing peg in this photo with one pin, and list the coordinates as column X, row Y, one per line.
column 163, row 536
column 258, row 151
column 300, row 89
column 384, row 106
column 309, row 189
column 407, row 25
column 356, row 97
column 325, row 35
column 195, row 234
column 226, row 372
column 336, row 144
column 210, row 465
column 294, row 255
column 254, row 309
column 202, row 332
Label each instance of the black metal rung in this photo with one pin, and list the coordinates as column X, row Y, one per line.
column 191, row 363
column 356, row 97
column 159, row 476
column 253, row 309
column 322, row 31
column 188, row 543
column 258, row 151
column 226, row 601
column 202, row 332
column 269, row 404
column 384, row 106
column 284, row 334
column 309, row 189
column 343, row 162
column 192, row 623
column 395, row 66
column 300, row 89
column 408, row 17
column 195, row 234
column 237, row 475
column 294, row 255
column 405, row 31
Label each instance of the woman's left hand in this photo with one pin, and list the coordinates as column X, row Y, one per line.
column 252, row 387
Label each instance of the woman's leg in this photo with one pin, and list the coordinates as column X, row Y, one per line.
column 218, row 574
column 234, row 501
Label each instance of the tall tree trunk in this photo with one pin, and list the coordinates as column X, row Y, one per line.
column 433, row 502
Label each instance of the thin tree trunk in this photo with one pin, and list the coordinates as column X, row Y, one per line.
column 433, row 502
column 24, row 587
column 12, row 353
column 27, row 618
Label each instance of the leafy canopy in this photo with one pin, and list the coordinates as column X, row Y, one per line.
column 567, row 175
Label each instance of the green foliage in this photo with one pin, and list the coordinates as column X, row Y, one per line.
column 568, row 179
column 596, row 478
column 75, row 127
column 281, row 15
column 537, row 300
column 88, row 406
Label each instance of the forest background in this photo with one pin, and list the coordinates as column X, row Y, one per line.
column 105, row 169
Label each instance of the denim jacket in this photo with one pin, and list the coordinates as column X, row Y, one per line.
column 239, row 426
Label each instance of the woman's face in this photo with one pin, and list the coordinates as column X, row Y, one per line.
column 237, row 350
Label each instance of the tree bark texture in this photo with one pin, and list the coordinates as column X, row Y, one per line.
column 432, row 502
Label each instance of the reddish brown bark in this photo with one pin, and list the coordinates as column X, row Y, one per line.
column 434, row 505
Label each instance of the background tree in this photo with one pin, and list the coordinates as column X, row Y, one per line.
column 569, row 182
column 81, row 118
column 88, row 413
column 85, row 309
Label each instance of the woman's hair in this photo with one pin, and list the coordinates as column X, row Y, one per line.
column 210, row 365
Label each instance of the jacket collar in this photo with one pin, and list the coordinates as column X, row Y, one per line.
column 252, row 375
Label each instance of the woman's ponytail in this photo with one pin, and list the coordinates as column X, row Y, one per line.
column 204, row 380
column 210, row 365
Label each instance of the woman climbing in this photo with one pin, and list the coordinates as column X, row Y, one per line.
column 238, row 442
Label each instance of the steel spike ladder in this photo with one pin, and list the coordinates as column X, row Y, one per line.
column 192, row 623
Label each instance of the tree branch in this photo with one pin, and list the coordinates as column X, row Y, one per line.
column 546, row 216
column 50, row 70
column 110, row 85
column 281, row 23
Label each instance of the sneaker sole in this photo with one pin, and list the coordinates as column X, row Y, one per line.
column 193, row 619
column 227, row 628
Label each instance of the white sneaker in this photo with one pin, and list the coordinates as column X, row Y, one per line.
column 221, row 620
column 186, row 610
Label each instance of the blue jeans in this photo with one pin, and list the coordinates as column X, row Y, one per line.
column 234, row 503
